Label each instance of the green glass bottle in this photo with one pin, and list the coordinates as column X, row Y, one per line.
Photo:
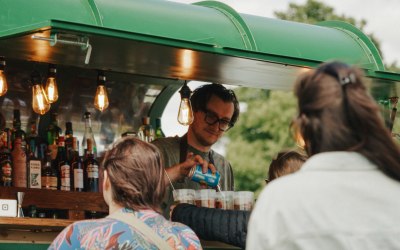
column 159, row 132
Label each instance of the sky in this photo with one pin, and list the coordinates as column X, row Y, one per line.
column 382, row 18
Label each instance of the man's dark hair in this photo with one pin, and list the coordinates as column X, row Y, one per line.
column 202, row 95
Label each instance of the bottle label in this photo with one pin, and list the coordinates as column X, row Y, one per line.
column 49, row 182
column 78, row 178
column 34, row 174
column 6, row 172
column 65, row 177
column 93, row 171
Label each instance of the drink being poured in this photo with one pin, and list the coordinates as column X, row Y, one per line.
column 212, row 180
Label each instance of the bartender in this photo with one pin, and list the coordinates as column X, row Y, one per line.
column 215, row 109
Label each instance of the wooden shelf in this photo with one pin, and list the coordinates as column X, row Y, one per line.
column 55, row 199
column 34, row 223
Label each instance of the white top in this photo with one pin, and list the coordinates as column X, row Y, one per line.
column 338, row 200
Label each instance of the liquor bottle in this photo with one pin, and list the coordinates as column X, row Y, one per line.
column 77, row 166
column 49, row 174
column 69, row 134
column 146, row 131
column 18, row 155
column 159, row 133
column 53, row 132
column 88, row 135
column 17, row 131
column 34, row 167
column 33, row 139
column 64, row 167
column 5, row 159
column 91, row 169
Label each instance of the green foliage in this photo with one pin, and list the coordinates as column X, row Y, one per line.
column 313, row 12
column 261, row 131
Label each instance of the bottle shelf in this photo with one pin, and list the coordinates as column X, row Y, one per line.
column 76, row 203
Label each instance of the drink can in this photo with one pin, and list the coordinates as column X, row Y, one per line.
column 208, row 178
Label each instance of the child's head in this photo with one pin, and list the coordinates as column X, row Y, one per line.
column 286, row 162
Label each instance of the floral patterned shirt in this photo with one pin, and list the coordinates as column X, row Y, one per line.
column 108, row 233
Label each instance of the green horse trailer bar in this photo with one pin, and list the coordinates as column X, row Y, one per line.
column 161, row 44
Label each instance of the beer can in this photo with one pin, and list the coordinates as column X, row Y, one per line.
column 208, row 178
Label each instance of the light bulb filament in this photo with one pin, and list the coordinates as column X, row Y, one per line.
column 52, row 89
column 101, row 98
column 3, row 83
column 185, row 114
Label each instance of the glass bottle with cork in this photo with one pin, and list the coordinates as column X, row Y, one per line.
column 88, row 135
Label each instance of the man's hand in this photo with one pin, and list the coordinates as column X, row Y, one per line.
column 181, row 170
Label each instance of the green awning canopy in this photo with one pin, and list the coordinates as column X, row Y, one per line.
column 206, row 41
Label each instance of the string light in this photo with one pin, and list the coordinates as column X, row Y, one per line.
column 3, row 80
column 185, row 114
column 40, row 103
column 101, row 97
column 51, row 84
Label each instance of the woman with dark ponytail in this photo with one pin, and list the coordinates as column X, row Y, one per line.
column 346, row 194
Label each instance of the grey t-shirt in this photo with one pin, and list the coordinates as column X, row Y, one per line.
column 170, row 150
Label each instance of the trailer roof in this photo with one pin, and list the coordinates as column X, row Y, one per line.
column 206, row 41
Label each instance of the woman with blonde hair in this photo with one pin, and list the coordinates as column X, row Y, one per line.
column 133, row 188
column 345, row 195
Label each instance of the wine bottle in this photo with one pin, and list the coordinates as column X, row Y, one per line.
column 91, row 167
column 34, row 168
column 49, row 174
column 64, row 168
column 69, row 134
column 77, row 166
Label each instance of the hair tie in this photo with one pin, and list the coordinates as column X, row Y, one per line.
column 348, row 79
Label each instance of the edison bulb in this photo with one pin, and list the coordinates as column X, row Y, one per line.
column 185, row 114
column 40, row 103
column 52, row 89
column 3, row 83
column 101, row 98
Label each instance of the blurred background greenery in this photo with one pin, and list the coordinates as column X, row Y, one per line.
column 263, row 126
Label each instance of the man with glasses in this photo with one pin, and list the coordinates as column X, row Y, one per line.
column 216, row 110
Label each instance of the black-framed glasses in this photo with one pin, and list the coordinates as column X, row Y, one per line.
column 210, row 118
